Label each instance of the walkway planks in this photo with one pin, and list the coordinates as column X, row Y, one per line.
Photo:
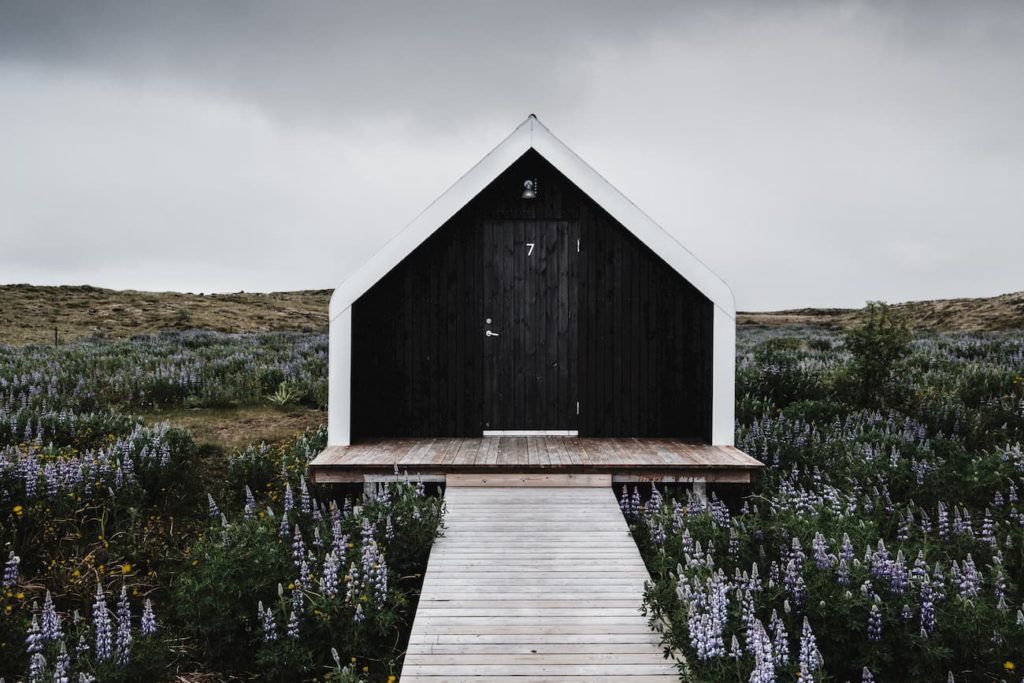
column 533, row 584
column 626, row 459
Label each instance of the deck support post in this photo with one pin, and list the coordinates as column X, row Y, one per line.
column 700, row 490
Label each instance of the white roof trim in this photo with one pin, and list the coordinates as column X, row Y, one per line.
column 532, row 134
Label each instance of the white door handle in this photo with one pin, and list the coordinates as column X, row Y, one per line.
column 491, row 334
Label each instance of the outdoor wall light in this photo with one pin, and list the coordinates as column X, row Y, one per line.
column 530, row 189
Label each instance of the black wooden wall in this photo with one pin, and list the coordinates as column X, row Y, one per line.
column 644, row 333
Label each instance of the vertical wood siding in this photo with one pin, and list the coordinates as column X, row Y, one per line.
column 644, row 334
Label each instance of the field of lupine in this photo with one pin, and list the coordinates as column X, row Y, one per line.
column 885, row 541
column 130, row 553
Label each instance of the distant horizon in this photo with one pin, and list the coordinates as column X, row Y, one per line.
column 328, row 289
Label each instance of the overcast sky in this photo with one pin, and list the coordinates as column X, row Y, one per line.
column 810, row 153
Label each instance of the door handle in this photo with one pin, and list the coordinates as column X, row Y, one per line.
column 491, row 334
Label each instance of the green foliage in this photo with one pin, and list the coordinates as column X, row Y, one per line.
column 938, row 473
column 877, row 343
column 90, row 496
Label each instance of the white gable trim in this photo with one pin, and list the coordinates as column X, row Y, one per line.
column 531, row 134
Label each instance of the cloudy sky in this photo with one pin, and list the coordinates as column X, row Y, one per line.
column 810, row 153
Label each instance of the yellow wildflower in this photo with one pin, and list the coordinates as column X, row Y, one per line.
column 126, row 568
column 18, row 510
column 1009, row 666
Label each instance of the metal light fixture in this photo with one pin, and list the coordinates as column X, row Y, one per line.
column 530, row 189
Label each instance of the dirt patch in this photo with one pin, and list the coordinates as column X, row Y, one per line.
column 233, row 428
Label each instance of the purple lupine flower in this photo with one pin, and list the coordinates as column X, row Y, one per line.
column 846, row 550
column 687, row 543
column 906, row 612
column 62, row 665
column 293, row 626
column 943, row 521
column 735, row 651
column 843, row 574
column 780, row 640
column 988, row 530
column 822, row 559
column 148, row 618
column 634, row 503
column 924, row 522
column 794, row 582
column 358, row 615
column 874, row 624
column 898, row 575
column 375, row 572
column 305, row 502
column 51, row 620
column 764, row 659
column 36, row 668
column 34, row 638
column 810, row 656
column 329, row 578
column 881, row 561
column 969, row 579
column 298, row 547
column 298, row 597
column 250, row 503
column 797, row 554
column 289, row 498
column 284, row 529
column 212, row 508
column 927, row 612
column 920, row 571
column 123, row 641
column 654, row 502
column 11, row 570
column 269, row 625
column 999, row 586
column 102, row 627
column 902, row 529
column 352, row 585
column 866, row 677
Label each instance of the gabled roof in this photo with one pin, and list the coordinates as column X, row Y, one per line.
column 531, row 134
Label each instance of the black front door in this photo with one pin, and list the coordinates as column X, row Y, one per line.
column 529, row 325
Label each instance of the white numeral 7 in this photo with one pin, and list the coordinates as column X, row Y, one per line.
column 529, row 252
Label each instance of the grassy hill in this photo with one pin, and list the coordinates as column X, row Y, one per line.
column 1003, row 312
column 30, row 314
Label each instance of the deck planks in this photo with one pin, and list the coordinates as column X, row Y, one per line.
column 533, row 584
column 637, row 458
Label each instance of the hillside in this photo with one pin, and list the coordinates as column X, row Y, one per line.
column 1003, row 312
column 29, row 314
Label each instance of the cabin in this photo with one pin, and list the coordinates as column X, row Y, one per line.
column 532, row 321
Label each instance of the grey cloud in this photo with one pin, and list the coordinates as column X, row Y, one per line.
column 812, row 153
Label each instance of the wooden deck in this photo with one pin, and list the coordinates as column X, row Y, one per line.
column 626, row 459
column 534, row 584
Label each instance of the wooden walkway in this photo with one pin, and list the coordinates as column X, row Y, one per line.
column 626, row 459
column 534, row 584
